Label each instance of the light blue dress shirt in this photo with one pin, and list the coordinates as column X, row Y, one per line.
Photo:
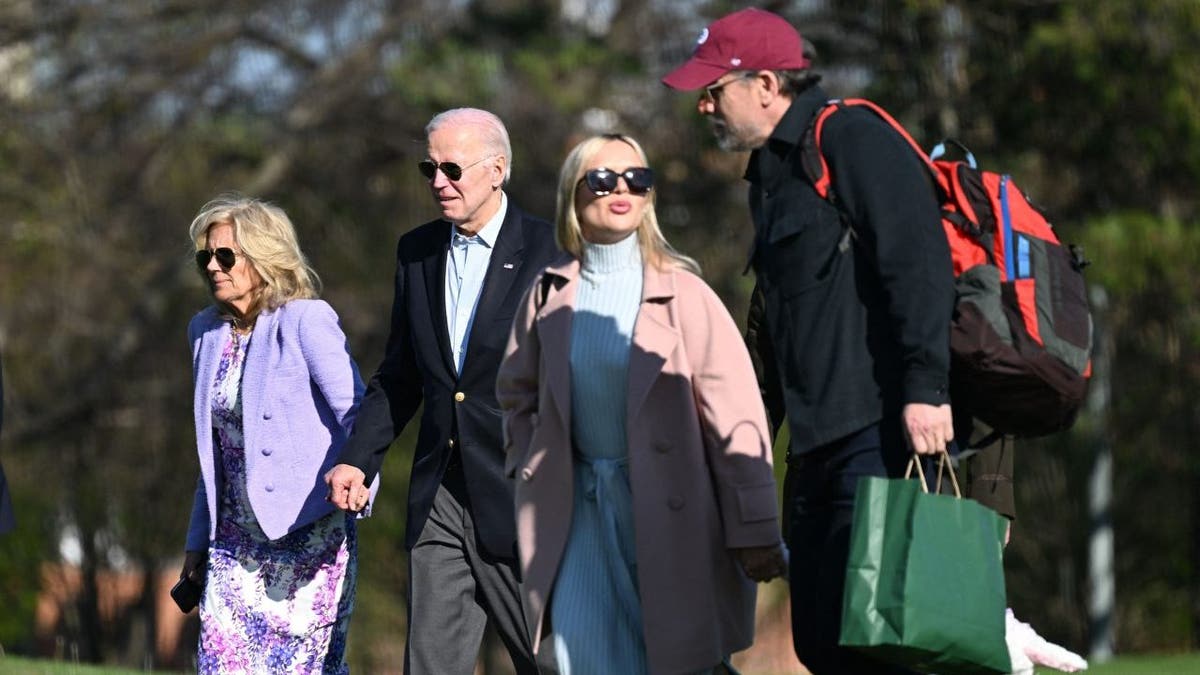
column 466, row 268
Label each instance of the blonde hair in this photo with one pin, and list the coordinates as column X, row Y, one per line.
column 654, row 246
column 268, row 243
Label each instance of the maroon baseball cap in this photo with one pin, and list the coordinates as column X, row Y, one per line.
column 749, row 39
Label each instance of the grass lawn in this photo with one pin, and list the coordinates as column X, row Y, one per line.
column 1179, row 664
column 17, row 665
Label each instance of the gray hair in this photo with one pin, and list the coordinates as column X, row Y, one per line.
column 491, row 131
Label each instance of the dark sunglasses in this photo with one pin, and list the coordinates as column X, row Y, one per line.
column 429, row 168
column 226, row 257
column 602, row 181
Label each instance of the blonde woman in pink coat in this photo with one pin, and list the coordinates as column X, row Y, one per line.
column 645, row 498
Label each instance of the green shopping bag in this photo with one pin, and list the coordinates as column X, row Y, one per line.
column 925, row 579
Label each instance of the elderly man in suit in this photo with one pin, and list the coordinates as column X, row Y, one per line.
column 459, row 280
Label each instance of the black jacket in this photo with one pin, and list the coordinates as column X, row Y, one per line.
column 417, row 368
column 847, row 325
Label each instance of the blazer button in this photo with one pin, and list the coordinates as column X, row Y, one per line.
column 527, row 474
column 267, row 415
column 450, row 443
column 266, row 452
column 662, row 446
column 459, row 396
column 675, row 502
column 270, row 487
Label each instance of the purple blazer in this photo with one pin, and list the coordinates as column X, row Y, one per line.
column 300, row 392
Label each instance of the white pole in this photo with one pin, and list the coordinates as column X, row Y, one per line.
column 1100, row 544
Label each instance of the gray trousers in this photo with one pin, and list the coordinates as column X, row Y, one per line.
column 454, row 590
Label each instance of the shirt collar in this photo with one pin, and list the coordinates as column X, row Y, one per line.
column 490, row 231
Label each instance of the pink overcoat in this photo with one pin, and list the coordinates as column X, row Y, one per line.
column 699, row 460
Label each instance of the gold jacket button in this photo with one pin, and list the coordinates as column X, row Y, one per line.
column 459, row 397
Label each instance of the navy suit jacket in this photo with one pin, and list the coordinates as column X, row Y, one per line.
column 461, row 412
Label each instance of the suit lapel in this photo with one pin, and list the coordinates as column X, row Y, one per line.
column 655, row 336
column 435, row 291
column 503, row 269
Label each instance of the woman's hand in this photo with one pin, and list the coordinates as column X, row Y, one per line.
column 762, row 563
column 194, row 566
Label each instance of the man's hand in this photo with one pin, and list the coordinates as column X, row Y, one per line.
column 928, row 428
column 346, row 488
column 762, row 563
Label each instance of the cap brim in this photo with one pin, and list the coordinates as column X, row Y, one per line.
column 693, row 75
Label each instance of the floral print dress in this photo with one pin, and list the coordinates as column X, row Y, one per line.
column 278, row 606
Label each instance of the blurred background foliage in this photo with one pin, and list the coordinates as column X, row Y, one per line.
column 118, row 120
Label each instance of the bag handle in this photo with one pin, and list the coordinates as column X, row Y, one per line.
column 939, row 151
column 943, row 461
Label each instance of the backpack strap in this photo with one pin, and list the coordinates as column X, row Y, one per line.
column 817, row 168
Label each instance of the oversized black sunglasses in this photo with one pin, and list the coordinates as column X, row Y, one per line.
column 602, row 181
column 429, row 168
column 226, row 258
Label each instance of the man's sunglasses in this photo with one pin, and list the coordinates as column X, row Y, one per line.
column 603, row 181
column 712, row 93
column 429, row 168
column 226, row 257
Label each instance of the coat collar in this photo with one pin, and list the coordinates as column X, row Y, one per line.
column 655, row 332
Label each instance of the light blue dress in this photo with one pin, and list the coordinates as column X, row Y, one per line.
column 595, row 609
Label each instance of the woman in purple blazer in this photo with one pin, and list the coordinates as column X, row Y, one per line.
column 275, row 396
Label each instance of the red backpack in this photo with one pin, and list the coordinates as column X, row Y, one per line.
column 1021, row 336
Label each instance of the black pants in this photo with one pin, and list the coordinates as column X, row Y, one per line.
column 455, row 589
column 988, row 474
column 819, row 488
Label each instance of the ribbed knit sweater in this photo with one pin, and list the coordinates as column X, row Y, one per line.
column 595, row 608
column 610, row 292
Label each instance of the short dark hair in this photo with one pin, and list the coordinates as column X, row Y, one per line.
column 793, row 82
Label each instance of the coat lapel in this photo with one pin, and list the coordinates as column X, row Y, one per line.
column 212, row 340
column 554, row 333
column 435, row 291
column 655, row 336
column 257, row 372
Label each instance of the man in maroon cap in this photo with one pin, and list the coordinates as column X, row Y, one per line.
column 850, row 321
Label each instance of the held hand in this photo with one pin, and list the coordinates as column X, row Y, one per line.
column 762, row 563
column 346, row 488
column 194, row 566
column 928, row 428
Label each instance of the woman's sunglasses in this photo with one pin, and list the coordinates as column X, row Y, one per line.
column 226, row 257
column 603, row 181
column 429, row 168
